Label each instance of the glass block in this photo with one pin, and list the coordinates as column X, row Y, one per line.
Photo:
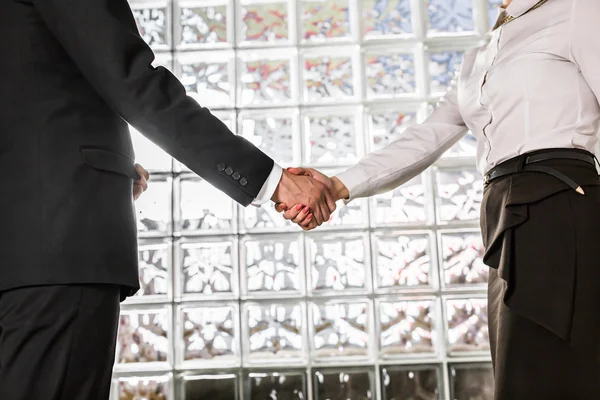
column 338, row 263
column 471, row 382
column 265, row 218
column 203, row 24
column 466, row 147
column 154, row 269
column 153, row 23
column 324, row 19
column 389, row 74
column 143, row 337
column 405, row 205
column 347, row 383
column 164, row 60
column 459, row 195
column 265, row 78
column 450, row 16
column 209, row 335
column 149, row 155
column 286, row 385
column 341, row 330
column 387, row 125
column 142, row 388
column 462, row 259
column 274, row 332
column 443, row 66
column 351, row 215
column 264, row 23
column 213, row 386
column 208, row 268
column 410, row 383
column 154, row 208
column 467, row 325
column 275, row 133
column 402, row 261
column 328, row 77
column 331, row 139
column 407, row 327
column 273, row 265
column 208, row 77
column 204, row 208
column 493, row 12
column 383, row 18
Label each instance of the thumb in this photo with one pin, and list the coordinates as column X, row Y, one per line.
column 299, row 171
column 280, row 207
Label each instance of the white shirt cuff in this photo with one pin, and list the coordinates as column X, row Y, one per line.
column 354, row 179
column 269, row 186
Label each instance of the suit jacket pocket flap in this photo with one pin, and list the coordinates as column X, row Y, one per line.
column 110, row 161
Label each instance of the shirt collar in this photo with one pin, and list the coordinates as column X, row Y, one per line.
column 516, row 8
column 501, row 16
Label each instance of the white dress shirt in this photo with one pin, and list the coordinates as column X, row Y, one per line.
column 269, row 187
column 534, row 85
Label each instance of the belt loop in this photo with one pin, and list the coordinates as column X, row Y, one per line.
column 521, row 162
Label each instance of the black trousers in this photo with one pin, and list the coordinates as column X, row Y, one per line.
column 58, row 342
column 542, row 242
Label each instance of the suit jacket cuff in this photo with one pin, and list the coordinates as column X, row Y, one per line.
column 266, row 192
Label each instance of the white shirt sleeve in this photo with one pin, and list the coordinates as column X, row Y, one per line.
column 266, row 192
column 418, row 147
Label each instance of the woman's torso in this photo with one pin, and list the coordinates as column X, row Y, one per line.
column 521, row 91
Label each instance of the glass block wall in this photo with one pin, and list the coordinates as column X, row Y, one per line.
column 387, row 300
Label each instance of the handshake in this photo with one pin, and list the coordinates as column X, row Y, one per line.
column 307, row 197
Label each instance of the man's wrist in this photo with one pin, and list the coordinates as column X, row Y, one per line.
column 340, row 191
column 276, row 198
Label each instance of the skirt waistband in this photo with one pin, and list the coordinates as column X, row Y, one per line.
column 533, row 162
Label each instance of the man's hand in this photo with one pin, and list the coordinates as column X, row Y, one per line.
column 304, row 189
column 140, row 185
column 299, row 214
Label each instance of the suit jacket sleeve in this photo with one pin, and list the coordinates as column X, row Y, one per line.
column 102, row 39
column 418, row 147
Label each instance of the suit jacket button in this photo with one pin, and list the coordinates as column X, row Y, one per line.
column 236, row 176
column 243, row 181
column 221, row 167
column 229, row 171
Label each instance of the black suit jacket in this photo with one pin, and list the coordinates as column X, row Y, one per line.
column 73, row 74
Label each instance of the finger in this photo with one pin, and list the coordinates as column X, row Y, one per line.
column 140, row 187
column 280, row 207
column 298, row 171
column 325, row 211
column 304, row 224
column 317, row 213
column 142, row 182
column 137, row 191
column 330, row 203
column 142, row 171
column 305, row 213
column 312, row 224
column 292, row 213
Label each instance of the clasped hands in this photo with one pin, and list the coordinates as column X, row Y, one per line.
column 308, row 197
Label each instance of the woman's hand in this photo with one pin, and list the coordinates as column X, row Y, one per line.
column 140, row 185
column 300, row 214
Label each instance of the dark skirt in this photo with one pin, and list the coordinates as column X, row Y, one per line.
column 542, row 242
